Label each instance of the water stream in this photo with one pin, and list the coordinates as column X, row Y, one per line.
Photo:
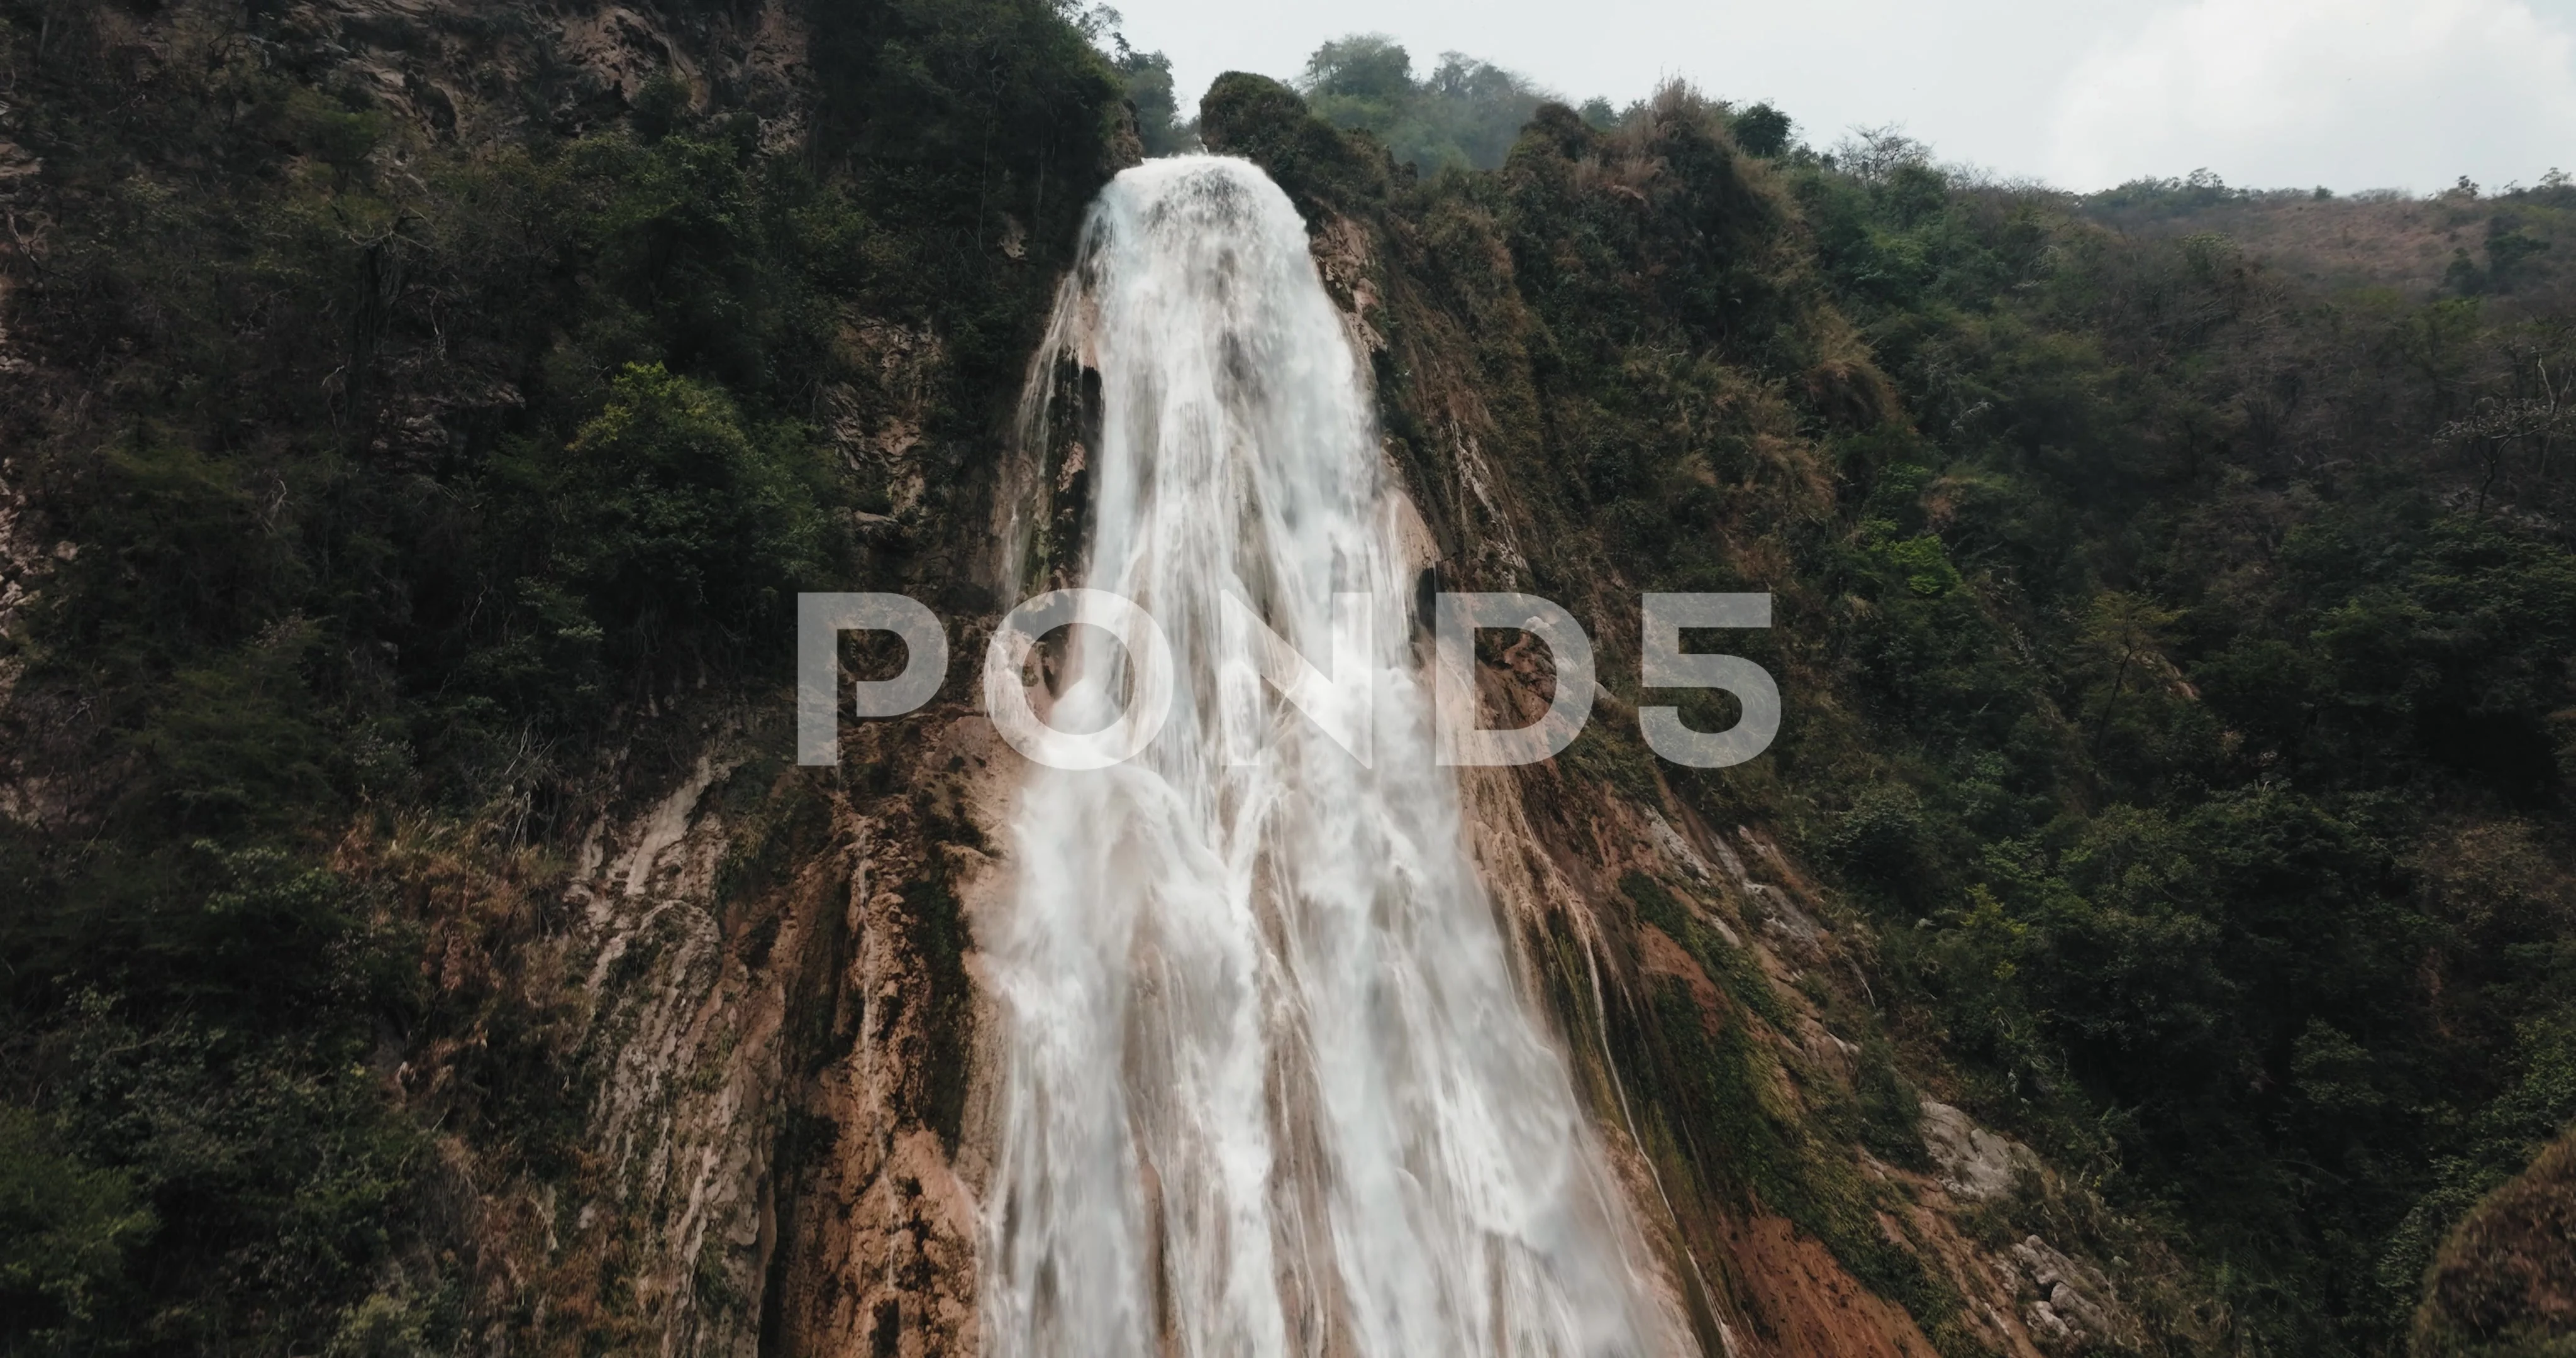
column 1269, row 1086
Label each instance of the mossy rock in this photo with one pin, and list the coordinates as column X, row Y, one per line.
column 2504, row 1284
column 1322, row 169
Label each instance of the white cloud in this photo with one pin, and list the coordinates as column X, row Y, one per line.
column 2347, row 93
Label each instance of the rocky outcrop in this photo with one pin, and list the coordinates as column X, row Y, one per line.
column 776, row 1031
column 1976, row 1165
column 2505, row 1282
column 2075, row 1307
column 481, row 73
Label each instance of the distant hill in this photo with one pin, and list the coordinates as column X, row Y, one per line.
column 2518, row 243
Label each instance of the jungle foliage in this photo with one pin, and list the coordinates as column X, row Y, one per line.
column 2179, row 652
column 404, row 474
column 2227, row 623
column 1464, row 114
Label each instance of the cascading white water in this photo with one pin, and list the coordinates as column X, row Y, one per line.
column 1269, row 1086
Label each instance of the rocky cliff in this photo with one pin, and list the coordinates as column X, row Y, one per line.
column 418, row 410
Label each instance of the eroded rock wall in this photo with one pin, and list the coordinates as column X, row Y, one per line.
column 779, row 1038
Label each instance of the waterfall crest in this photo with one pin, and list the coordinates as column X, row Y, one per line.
column 1267, row 1086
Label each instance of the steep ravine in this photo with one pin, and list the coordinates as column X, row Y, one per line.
column 772, row 1172
column 793, row 1120
column 762, row 988
column 790, row 1129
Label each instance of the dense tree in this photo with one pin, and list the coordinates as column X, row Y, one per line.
column 1465, row 113
column 404, row 471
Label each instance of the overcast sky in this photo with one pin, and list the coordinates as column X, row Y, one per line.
column 2351, row 94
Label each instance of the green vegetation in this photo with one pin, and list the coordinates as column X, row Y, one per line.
column 2504, row 1284
column 2179, row 651
column 2227, row 742
column 1148, row 78
column 1465, row 113
column 406, row 475
column 2219, row 821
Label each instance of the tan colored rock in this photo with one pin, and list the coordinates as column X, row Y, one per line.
column 1976, row 1164
column 2075, row 1305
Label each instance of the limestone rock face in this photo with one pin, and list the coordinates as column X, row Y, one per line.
column 481, row 72
column 1976, row 1164
column 780, row 1135
column 2075, row 1305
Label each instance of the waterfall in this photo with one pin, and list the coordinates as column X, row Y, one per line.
column 1268, row 1085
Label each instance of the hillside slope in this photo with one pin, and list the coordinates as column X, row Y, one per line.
column 419, row 419
column 2178, row 655
column 2504, row 245
column 2151, row 932
column 2505, row 1282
